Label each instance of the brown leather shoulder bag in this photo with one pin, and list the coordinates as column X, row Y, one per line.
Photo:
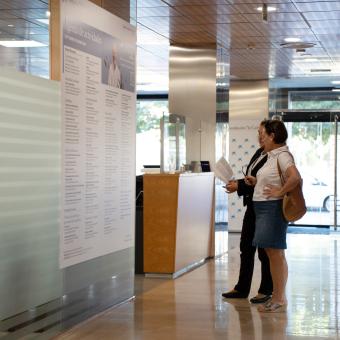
column 294, row 205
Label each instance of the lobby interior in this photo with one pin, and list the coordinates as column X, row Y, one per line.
column 290, row 49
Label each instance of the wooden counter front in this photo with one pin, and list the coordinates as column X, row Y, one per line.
column 177, row 220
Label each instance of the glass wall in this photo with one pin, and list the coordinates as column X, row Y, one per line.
column 222, row 150
column 313, row 100
column 38, row 299
column 148, row 139
column 309, row 115
column 173, row 142
column 303, row 99
column 312, row 144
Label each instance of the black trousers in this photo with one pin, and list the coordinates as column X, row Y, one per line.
column 248, row 255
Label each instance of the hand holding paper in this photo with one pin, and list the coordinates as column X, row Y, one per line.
column 223, row 170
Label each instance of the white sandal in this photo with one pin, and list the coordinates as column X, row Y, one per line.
column 273, row 307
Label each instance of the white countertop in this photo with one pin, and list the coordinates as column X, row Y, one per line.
column 189, row 174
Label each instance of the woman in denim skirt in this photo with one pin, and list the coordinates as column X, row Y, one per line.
column 271, row 226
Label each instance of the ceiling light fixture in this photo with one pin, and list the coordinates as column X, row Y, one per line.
column 336, row 90
column 269, row 9
column 10, row 25
column 44, row 21
column 335, row 82
column 310, row 60
column 48, row 14
column 292, row 39
column 21, row 43
column 300, row 47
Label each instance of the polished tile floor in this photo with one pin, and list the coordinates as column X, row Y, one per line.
column 191, row 306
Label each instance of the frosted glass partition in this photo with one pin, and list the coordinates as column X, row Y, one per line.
column 34, row 293
column 29, row 192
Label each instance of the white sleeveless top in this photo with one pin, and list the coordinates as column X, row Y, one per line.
column 269, row 173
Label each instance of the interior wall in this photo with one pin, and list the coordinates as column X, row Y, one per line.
column 192, row 93
column 30, row 167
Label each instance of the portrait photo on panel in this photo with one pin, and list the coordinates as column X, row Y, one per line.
column 118, row 65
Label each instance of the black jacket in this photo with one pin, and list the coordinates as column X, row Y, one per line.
column 245, row 190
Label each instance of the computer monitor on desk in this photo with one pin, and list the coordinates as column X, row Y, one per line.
column 147, row 168
column 205, row 165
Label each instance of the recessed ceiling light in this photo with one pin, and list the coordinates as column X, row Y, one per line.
column 310, row 60
column 336, row 90
column 21, row 43
column 44, row 21
column 48, row 14
column 10, row 25
column 305, row 60
column 292, row 39
column 335, row 81
column 269, row 9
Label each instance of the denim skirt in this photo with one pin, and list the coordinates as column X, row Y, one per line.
column 271, row 226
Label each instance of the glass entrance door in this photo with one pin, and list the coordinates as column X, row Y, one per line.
column 313, row 138
column 335, row 205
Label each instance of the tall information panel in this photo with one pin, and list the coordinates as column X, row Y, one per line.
column 98, row 132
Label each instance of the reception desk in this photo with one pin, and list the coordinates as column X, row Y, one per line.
column 178, row 221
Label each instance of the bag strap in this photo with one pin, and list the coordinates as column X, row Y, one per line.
column 280, row 171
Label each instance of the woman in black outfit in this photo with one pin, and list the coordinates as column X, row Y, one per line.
column 242, row 287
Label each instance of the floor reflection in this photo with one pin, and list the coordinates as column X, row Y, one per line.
column 191, row 307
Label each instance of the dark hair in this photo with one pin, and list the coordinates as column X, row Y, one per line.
column 278, row 129
column 263, row 121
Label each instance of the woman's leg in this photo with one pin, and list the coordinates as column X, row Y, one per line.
column 266, row 286
column 279, row 271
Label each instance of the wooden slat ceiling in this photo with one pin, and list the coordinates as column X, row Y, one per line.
column 249, row 46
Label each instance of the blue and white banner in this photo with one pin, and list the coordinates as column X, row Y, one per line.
column 243, row 143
